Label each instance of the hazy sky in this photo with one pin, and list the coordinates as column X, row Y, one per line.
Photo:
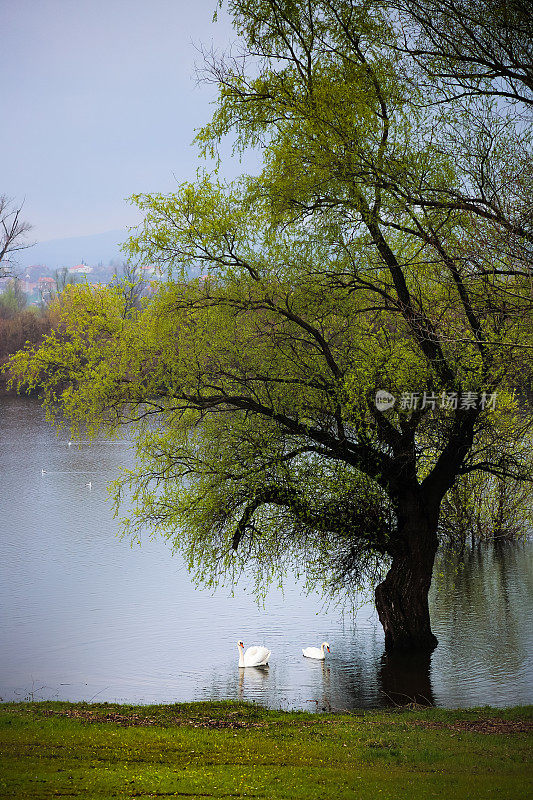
column 99, row 100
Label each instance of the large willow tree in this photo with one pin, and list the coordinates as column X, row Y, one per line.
column 382, row 253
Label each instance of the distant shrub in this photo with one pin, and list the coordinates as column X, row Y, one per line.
column 29, row 325
column 26, row 326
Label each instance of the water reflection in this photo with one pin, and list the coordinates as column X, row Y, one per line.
column 85, row 616
column 320, row 678
column 480, row 610
column 406, row 678
column 251, row 680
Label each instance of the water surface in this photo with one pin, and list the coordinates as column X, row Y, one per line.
column 85, row 616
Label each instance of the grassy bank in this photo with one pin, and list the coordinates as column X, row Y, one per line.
column 235, row 750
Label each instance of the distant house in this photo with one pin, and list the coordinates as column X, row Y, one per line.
column 35, row 270
column 29, row 286
column 80, row 269
column 151, row 271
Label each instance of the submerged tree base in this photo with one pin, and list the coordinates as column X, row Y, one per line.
column 406, row 624
column 402, row 598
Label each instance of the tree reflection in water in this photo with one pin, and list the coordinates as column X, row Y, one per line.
column 405, row 678
column 480, row 605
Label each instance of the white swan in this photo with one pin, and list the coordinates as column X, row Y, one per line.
column 254, row 656
column 316, row 652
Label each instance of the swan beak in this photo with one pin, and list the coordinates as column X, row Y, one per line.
column 327, row 648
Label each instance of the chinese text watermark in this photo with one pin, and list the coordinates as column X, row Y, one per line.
column 418, row 401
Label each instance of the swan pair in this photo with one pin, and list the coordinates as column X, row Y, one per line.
column 257, row 656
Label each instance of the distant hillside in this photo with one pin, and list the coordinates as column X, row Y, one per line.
column 66, row 252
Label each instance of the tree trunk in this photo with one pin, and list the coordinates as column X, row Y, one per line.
column 402, row 598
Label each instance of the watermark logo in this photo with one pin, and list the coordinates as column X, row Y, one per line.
column 384, row 400
column 419, row 401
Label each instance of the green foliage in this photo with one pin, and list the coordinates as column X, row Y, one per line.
column 473, row 47
column 12, row 300
column 383, row 246
column 485, row 508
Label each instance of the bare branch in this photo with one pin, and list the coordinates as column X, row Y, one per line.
column 12, row 234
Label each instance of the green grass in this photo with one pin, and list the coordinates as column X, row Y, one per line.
column 236, row 750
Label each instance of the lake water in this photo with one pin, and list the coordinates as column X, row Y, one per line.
column 85, row 616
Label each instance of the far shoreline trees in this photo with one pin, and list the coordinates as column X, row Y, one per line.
column 382, row 252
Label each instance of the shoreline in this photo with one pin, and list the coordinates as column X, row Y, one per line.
column 232, row 749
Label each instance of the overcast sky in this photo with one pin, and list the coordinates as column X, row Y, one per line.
column 99, row 100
